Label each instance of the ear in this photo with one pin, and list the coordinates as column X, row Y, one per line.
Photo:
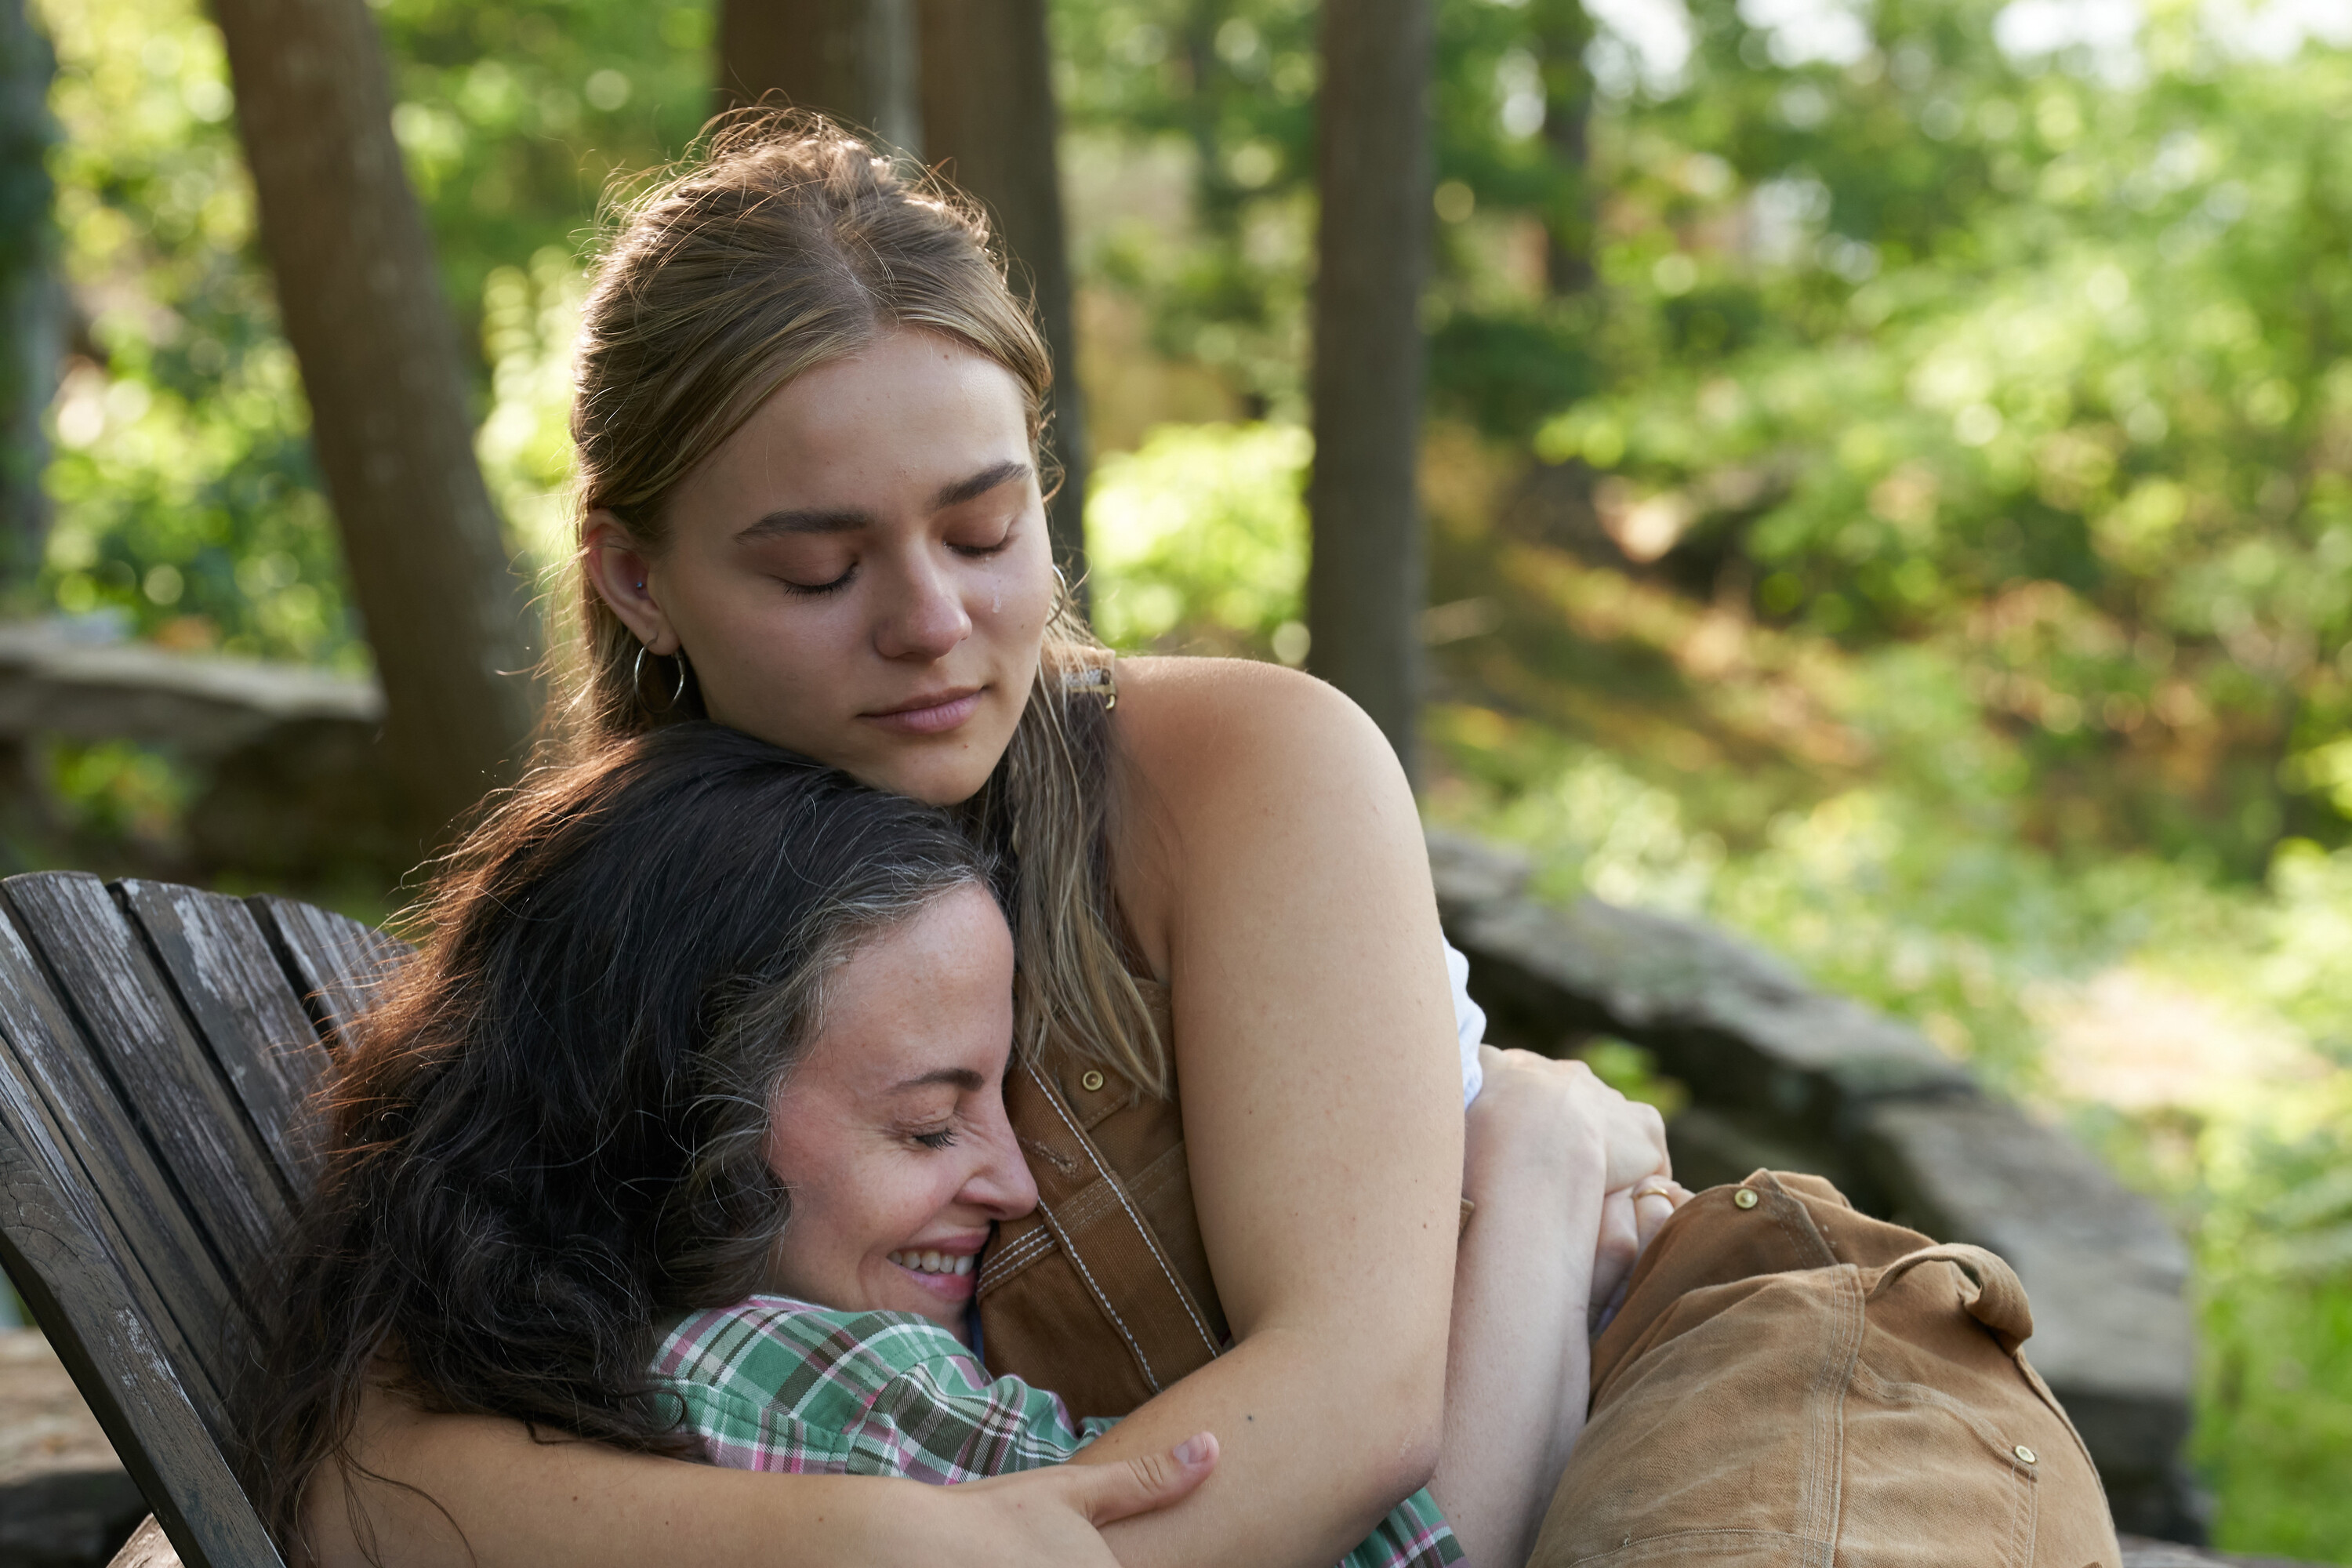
column 624, row 576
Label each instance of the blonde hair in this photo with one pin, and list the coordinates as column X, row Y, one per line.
column 781, row 244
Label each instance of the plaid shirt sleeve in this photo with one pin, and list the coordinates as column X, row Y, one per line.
column 776, row 1385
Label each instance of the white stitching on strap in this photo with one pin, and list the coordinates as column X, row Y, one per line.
column 1005, row 1258
column 1149, row 1241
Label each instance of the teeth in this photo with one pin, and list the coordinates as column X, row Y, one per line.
column 928, row 1262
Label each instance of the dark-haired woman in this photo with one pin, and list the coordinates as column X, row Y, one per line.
column 808, row 417
column 715, row 1188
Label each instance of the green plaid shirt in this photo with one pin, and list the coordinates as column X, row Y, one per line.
column 771, row 1383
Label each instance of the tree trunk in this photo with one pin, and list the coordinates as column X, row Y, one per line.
column 32, row 297
column 1364, row 587
column 989, row 115
column 854, row 59
column 379, row 358
column 1564, row 31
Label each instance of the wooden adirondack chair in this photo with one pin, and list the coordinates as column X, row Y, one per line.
column 157, row 1044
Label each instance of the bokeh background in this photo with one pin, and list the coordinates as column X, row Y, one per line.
column 1888, row 479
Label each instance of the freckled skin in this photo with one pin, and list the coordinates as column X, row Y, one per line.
column 852, row 1132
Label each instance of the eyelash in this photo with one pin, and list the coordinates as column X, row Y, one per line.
column 972, row 552
column 818, row 590
column 939, row 1140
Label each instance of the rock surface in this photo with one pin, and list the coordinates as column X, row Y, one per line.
column 65, row 1503
column 2141, row 1553
column 1784, row 1075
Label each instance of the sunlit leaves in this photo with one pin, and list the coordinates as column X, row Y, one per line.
column 1197, row 541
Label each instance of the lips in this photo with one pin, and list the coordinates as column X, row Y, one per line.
column 933, row 713
column 945, row 1276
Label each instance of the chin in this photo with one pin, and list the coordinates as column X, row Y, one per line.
column 941, row 776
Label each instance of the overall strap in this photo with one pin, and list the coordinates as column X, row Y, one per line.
column 1109, row 1244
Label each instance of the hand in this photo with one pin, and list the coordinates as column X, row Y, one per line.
column 1050, row 1517
column 1631, row 1135
column 1629, row 1221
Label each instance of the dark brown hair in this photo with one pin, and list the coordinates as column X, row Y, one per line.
column 551, row 1131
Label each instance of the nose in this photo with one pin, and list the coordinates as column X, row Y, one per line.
column 999, row 1183
column 923, row 616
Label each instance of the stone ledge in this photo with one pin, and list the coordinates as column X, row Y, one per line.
column 1726, row 1012
column 65, row 1501
column 1784, row 1075
column 2142, row 1552
column 53, row 685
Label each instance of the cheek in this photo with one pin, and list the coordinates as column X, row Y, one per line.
column 1022, row 596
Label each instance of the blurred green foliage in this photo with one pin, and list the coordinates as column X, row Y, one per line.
column 188, row 507
column 1891, row 332
column 1197, row 541
column 1909, row 880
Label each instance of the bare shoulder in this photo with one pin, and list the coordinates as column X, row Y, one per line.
column 1198, row 729
column 1243, row 782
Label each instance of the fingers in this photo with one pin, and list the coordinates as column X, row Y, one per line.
column 1653, row 1204
column 1109, row 1492
column 1566, row 1093
column 1614, row 1252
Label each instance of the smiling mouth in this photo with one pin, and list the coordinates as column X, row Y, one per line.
column 947, row 1263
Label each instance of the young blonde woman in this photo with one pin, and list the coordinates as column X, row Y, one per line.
column 808, row 417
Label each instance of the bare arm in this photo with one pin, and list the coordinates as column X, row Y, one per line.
column 521, row 1501
column 1269, row 857
column 1550, row 1239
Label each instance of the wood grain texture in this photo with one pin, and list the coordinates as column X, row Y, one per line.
column 336, row 964
column 147, row 1547
column 68, row 1113
column 230, row 983
column 62, row 1251
column 160, row 1070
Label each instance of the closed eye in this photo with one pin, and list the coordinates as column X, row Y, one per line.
column 820, row 588
column 941, row 1139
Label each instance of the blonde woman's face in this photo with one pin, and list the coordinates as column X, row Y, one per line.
column 861, row 572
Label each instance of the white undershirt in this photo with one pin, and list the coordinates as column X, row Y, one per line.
column 1469, row 1023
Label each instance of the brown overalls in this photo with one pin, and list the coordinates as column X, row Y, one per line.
column 1816, row 1425
column 1103, row 1294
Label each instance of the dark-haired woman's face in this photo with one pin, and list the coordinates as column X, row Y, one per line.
column 861, row 573
column 891, row 1132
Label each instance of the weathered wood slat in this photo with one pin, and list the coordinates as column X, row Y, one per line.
column 229, row 980
column 335, row 962
column 147, row 1547
column 62, row 1251
column 172, row 1275
column 163, row 1073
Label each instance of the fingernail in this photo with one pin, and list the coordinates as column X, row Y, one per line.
column 1195, row 1449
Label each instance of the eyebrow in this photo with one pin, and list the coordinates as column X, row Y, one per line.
column 979, row 484
column 961, row 1078
column 849, row 519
